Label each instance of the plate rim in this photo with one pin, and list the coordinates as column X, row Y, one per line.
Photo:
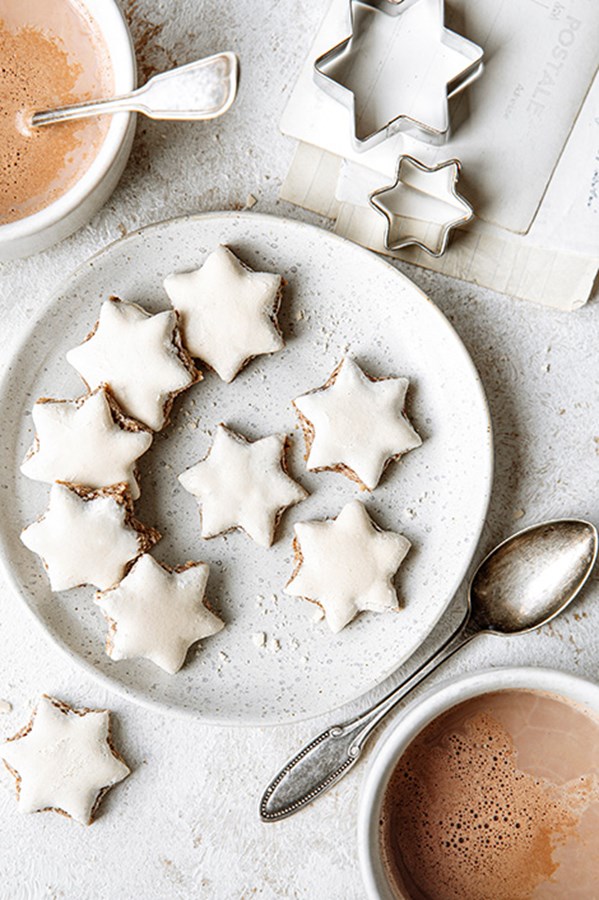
column 112, row 684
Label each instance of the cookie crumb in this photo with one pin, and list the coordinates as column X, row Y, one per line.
column 250, row 201
column 275, row 645
column 518, row 514
column 259, row 638
column 5, row 706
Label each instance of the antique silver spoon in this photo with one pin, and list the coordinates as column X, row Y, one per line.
column 525, row 582
column 203, row 89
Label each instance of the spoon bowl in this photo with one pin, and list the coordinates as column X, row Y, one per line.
column 532, row 576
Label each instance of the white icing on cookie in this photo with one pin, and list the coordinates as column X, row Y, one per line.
column 242, row 484
column 137, row 356
column 357, row 422
column 83, row 541
column 347, row 565
column 227, row 311
column 157, row 614
column 64, row 761
column 79, row 441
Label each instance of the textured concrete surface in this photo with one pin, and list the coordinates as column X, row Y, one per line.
column 185, row 823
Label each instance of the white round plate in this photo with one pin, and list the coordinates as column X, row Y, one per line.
column 338, row 298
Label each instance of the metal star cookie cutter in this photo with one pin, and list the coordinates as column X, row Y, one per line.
column 424, row 205
column 466, row 65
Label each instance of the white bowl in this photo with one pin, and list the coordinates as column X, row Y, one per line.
column 416, row 717
column 77, row 205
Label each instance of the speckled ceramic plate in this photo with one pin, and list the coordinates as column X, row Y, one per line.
column 338, row 297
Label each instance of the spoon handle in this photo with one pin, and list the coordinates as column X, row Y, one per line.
column 203, row 89
column 325, row 760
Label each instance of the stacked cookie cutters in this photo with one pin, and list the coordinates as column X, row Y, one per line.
column 409, row 38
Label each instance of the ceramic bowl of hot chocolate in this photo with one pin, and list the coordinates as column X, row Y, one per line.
column 487, row 786
column 54, row 179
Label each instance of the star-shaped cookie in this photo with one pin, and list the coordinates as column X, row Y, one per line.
column 140, row 357
column 85, row 441
column 355, row 424
column 88, row 537
column 228, row 312
column 347, row 565
column 243, row 484
column 63, row 760
column 158, row 613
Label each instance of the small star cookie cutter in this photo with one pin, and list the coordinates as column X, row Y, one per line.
column 460, row 58
column 422, row 206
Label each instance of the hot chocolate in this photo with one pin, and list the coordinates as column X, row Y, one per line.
column 497, row 798
column 52, row 55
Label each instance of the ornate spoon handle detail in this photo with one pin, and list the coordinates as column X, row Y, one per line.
column 326, row 759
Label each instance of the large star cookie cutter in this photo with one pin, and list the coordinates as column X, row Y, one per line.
column 398, row 69
column 422, row 206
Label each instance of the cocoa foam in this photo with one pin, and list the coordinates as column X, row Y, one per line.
column 51, row 55
column 463, row 819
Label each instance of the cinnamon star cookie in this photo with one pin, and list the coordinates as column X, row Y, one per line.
column 228, row 312
column 347, row 565
column 88, row 537
column 355, row 424
column 158, row 613
column 63, row 760
column 243, row 484
column 140, row 357
column 86, row 441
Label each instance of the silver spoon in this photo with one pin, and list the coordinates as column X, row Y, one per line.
column 203, row 89
column 525, row 582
